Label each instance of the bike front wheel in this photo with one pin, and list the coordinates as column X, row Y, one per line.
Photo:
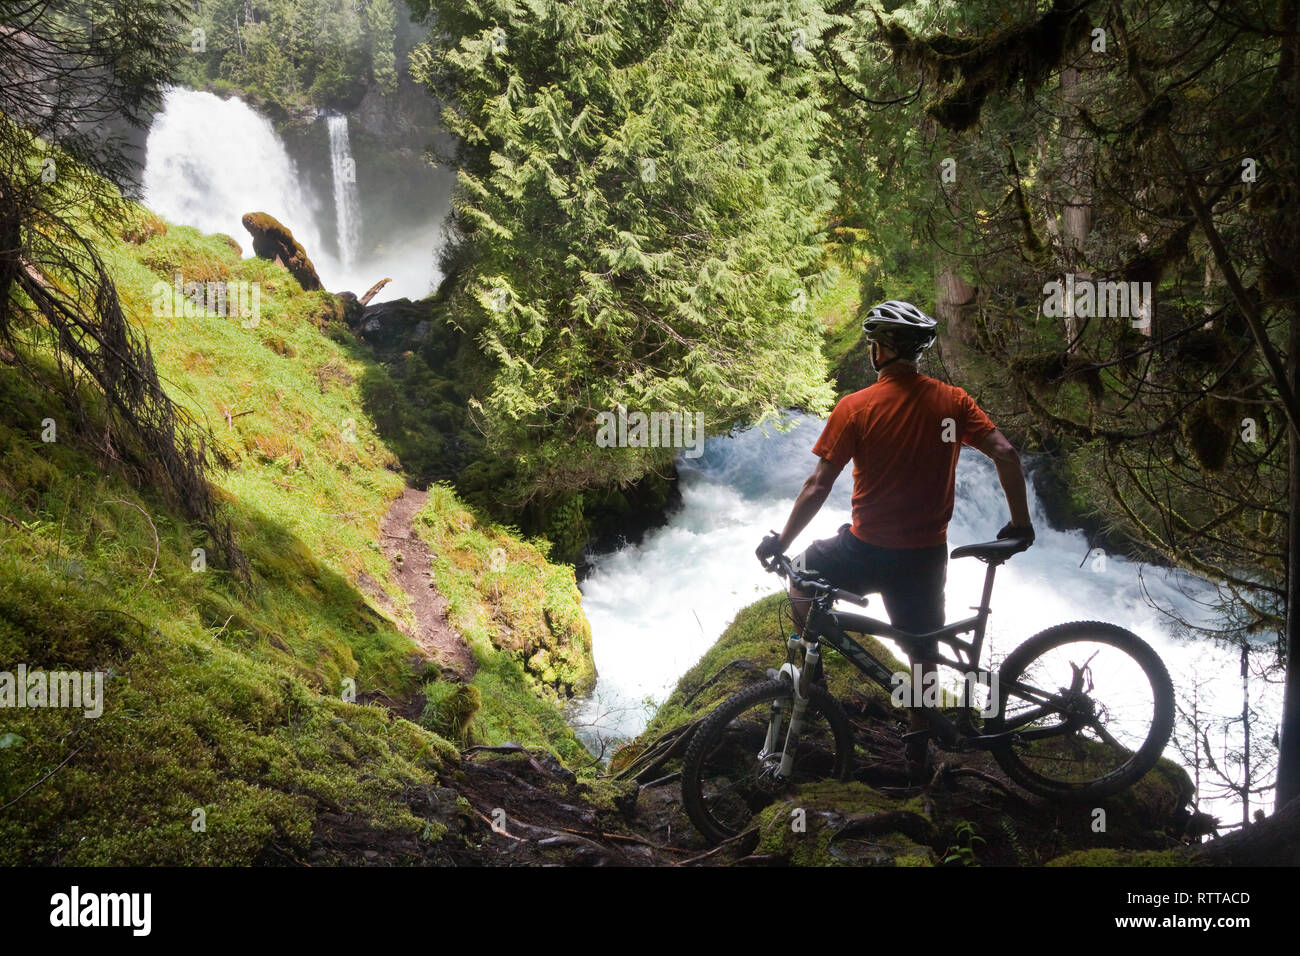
column 1092, row 708
column 730, row 769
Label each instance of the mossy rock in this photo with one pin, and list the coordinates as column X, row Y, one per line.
column 751, row 644
column 274, row 241
column 845, row 824
column 449, row 710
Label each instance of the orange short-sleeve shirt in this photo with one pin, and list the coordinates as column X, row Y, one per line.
column 904, row 434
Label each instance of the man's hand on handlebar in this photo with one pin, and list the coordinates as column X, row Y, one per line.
column 768, row 549
column 773, row 558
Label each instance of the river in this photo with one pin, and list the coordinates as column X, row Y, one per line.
column 655, row 607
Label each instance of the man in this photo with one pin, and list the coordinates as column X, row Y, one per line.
column 904, row 435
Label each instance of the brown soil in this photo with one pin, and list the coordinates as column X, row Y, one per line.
column 412, row 563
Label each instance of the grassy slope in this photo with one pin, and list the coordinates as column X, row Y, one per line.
column 222, row 698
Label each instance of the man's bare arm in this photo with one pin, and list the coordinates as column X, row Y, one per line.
column 812, row 496
column 1010, row 474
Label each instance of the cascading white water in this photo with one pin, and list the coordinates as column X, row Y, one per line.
column 656, row 607
column 347, row 206
column 209, row 161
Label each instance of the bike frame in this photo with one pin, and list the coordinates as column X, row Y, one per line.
column 826, row 625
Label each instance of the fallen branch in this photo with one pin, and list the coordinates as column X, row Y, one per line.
column 44, row 778
column 751, row 832
column 499, row 749
column 494, row 829
column 601, row 835
column 374, row 289
column 231, row 416
column 660, row 781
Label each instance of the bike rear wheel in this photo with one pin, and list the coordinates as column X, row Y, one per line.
column 1111, row 713
column 727, row 777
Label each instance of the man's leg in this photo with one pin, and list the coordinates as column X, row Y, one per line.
column 838, row 561
column 798, row 607
column 914, row 598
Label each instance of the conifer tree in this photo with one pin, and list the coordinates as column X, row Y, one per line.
column 639, row 218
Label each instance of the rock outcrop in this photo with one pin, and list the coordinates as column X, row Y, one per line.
column 273, row 240
column 963, row 812
column 395, row 324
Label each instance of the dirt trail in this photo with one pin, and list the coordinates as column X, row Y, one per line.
column 412, row 563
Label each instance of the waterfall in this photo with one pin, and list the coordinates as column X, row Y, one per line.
column 656, row 607
column 210, row 160
column 347, row 207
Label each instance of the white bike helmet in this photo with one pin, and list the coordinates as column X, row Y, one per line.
column 901, row 327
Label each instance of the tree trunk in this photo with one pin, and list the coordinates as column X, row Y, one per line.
column 1273, row 842
column 1288, row 766
column 1076, row 214
column 952, row 293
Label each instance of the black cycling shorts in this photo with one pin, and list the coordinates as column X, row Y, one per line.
column 910, row 580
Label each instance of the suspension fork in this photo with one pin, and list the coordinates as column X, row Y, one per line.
column 802, row 690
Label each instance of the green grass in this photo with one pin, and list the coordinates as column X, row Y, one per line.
column 223, row 698
column 522, row 617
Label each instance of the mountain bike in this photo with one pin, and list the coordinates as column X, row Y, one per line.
column 1078, row 712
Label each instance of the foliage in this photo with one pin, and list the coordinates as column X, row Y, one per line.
column 962, row 851
column 297, row 54
column 1081, row 146
column 638, row 213
column 217, row 697
column 76, row 68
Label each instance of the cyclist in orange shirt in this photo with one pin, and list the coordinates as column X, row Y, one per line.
column 904, row 435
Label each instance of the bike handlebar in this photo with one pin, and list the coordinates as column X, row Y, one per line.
column 780, row 565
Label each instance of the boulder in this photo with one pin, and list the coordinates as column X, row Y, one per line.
column 396, row 324
column 272, row 240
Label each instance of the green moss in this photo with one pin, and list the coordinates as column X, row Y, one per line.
column 505, row 596
column 1108, row 857
column 184, row 250
column 222, row 698
column 844, row 824
column 450, row 708
column 752, row 643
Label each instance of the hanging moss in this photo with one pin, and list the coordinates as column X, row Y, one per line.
column 1026, row 54
column 1150, row 264
column 1043, row 370
column 1047, row 371
column 1225, row 412
column 1209, row 442
column 1030, row 243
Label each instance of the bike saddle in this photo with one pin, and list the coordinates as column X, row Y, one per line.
column 992, row 552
